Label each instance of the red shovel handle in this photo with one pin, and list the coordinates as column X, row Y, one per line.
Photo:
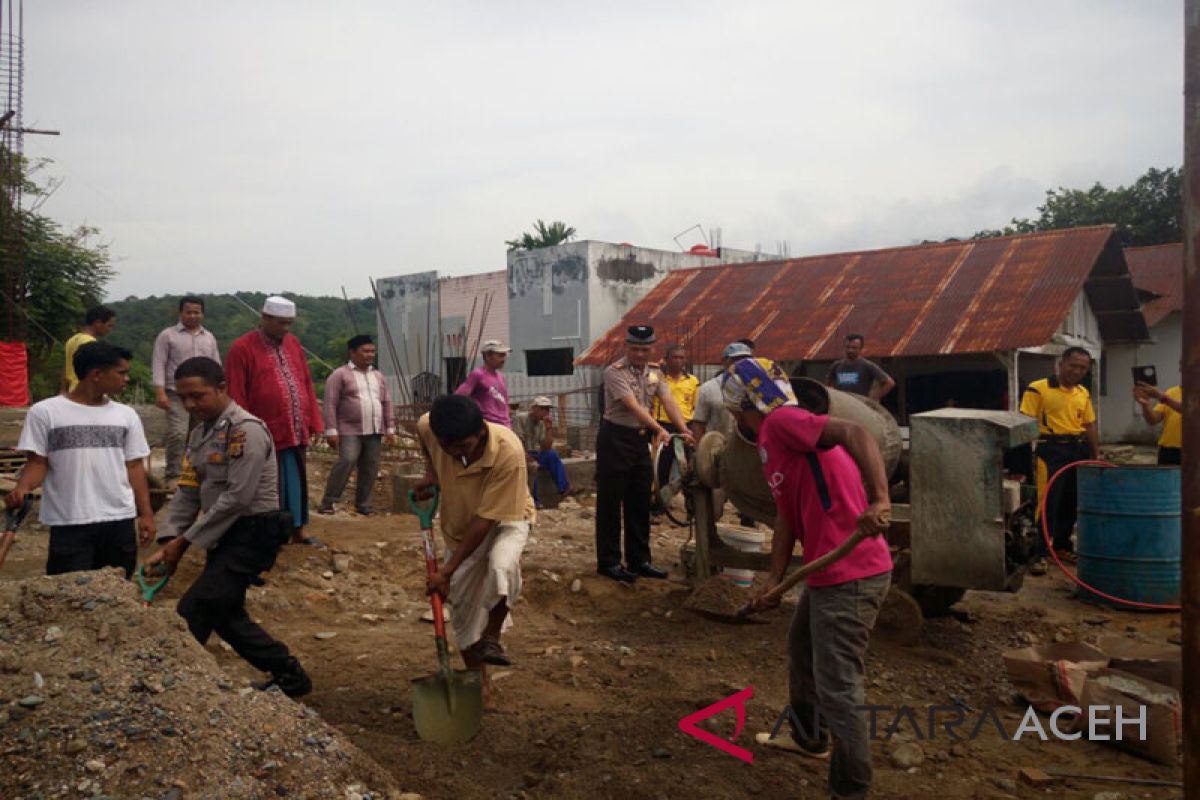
column 431, row 568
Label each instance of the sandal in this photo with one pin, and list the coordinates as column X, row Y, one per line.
column 490, row 651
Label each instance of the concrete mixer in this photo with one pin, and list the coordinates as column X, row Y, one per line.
column 965, row 526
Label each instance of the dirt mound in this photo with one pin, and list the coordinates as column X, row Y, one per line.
column 100, row 696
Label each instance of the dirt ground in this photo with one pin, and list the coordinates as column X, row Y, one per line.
column 603, row 673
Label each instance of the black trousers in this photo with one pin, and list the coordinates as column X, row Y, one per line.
column 217, row 599
column 1170, row 456
column 623, row 477
column 78, row 548
column 1062, row 500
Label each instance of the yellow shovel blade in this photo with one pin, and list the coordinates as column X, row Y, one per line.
column 448, row 706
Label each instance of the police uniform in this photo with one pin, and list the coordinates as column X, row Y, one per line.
column 227, row 502
column 1062, row 416
column 623, row 468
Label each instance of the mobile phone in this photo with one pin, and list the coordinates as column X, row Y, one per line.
column 1147, row 374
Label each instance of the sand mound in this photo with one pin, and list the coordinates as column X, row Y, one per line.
column 100, row 696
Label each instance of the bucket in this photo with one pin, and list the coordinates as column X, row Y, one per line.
column 1129, row 540
column 747, row 541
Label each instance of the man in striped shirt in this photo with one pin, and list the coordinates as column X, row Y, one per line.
column 358, row 420
column 174, row 345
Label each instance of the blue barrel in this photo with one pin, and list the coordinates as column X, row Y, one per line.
column 1129, row 540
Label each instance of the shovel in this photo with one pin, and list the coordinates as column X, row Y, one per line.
column 13, row 518
column 447, row 705
column 149, row 589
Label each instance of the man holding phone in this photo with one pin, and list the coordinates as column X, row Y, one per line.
column 1167, row 408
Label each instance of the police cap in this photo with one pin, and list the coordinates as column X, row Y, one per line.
column 640, row 334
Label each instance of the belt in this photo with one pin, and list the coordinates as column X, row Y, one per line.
column 1062, row 438
column 621, row 430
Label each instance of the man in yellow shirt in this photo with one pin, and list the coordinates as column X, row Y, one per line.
column 97, row 323
column 685, row 388
column 1169, row 411
column 1067, row 432
column 682, row 384
column 485, row 515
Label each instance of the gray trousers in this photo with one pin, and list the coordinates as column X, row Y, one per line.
column 179, row 422
column 827, row 644
column 363, row 452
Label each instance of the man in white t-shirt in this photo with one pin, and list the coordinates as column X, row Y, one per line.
column 86, row 452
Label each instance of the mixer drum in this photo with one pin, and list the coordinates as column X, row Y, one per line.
column 740, row 466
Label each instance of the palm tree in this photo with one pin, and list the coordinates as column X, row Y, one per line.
column 544, row 235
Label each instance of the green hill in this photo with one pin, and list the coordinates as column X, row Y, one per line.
column 322, row 324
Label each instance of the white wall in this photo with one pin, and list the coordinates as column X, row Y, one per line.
column 1120, row 417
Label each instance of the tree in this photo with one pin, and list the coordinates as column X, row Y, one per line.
column 544, row 235
column 1150, row 211
column 51, row 276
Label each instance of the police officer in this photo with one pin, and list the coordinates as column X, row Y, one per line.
column 623, row 469
column 227, row 502
column 1066, row 433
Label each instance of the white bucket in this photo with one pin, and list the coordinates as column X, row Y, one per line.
column 747, row 541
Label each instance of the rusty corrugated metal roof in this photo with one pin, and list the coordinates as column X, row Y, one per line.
column 953, row 297
column 1158, row 270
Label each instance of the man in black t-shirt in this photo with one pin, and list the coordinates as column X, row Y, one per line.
column 858, row 375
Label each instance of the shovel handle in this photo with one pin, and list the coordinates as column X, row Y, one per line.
column 6, row 542
column 150, row 589
column 816, row 565
column 431, row 568
column 424, row 509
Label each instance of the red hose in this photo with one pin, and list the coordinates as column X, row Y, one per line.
column 1050, row 544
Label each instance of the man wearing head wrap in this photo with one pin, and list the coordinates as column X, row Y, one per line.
column 358, row 421
column 816, row 467
column 623, row 470
column 268, row 376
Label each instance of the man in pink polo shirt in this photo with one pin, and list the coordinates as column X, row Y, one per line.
column 816, row 467
column 485, row 385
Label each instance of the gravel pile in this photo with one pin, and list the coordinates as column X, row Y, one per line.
column 101, row 697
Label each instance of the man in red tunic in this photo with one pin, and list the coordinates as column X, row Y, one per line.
column 268, row 376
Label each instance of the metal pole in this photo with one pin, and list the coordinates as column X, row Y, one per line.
column 1190, row 594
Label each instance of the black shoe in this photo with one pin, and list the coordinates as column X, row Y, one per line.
column 364, row 511
column 617, row 573
column 489, row 651
column 649, row 571
column 294, row 682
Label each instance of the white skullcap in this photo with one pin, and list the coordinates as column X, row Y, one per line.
column 278, row 306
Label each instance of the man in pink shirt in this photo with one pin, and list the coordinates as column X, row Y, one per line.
column 485, row 385
column 816, row 467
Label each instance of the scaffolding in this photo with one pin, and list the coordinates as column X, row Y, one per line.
column 12, row 74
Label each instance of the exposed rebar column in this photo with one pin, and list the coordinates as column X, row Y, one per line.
column 1190, row 595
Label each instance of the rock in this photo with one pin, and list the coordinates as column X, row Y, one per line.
column 94, row 766
column 371, row 617
column 75, row 746
column 409, row 796
column 47, row 591
column 577, row 586
column 38, row 681
column 712, row 655
column 661, row 752
column 323, row 635
column 1108, row 796
column 1006, row 785
column 31, row 701
column 83, row 579
column 102, row 633
column 327, row 575
column 341, row 563
column 906, row 756
column 53, row 634
column 576, row 661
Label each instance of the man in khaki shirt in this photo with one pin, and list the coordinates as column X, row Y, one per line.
column 623, row 470
column 486, row 510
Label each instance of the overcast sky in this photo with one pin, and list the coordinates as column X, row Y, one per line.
column 305, row 145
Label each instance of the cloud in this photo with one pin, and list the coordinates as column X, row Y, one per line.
column 305, row 146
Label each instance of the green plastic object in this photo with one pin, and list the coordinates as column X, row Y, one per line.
column 424, row 509
column 150, row 589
